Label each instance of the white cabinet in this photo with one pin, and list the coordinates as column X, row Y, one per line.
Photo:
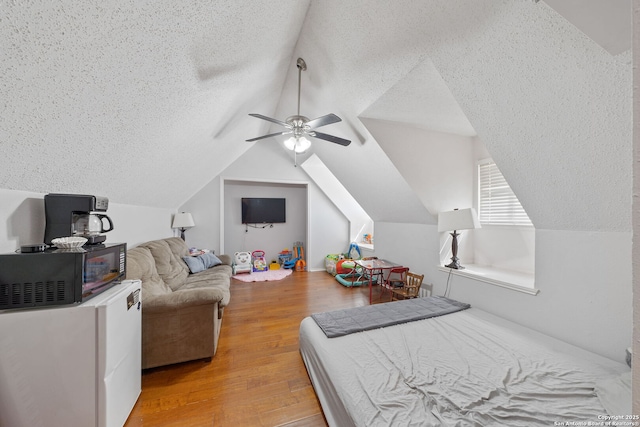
column 72, row 365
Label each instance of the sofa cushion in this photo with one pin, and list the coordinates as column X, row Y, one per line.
column 216, row 278
column 141, row 265
column 168, row 254
column 177, row 246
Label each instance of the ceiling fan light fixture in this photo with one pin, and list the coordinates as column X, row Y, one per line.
column 297, row 144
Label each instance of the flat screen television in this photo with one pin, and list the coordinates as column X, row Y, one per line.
column 262, row 210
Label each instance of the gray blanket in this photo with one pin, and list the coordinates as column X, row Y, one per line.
column 343, row 322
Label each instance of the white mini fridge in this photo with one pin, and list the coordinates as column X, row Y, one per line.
column 72, row 365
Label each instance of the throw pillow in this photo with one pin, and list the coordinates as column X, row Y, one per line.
column 200, row 263
column 195, row 263
column 210, row 260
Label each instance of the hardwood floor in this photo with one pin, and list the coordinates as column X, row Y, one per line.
column 257, row 377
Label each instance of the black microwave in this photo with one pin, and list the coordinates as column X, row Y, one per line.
column 59, row 276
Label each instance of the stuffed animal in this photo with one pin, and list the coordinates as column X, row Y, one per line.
column 242, row 262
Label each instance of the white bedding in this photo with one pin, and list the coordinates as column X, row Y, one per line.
column 463, row 369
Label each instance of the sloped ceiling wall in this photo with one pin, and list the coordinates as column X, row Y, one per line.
column 552, row 107
column 145, row 102
column 554, row 110
column 135, row 101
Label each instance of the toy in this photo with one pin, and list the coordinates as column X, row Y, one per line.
column 290, row 264
column 330, row 262
column 345, row 266
column 274, row 265
column 352, row 279
column 354, row 251
column 301, row 264
column 259, row 262
column 284, row 256
column 242, row 262
column 298, row 262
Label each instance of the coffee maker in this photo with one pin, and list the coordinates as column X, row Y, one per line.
column 76, row 215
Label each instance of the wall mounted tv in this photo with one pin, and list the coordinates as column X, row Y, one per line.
column 263, row 210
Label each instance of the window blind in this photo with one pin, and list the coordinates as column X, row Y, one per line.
column 498, row 204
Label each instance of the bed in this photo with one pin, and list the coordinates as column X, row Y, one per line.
column 466, row 368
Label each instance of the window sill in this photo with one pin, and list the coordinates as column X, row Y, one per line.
column 513, row 280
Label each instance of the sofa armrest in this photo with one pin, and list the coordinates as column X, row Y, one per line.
column 181, row 299
column 179, row 333
column 225, row 259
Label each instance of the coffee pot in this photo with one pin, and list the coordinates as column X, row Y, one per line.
column 90, row 224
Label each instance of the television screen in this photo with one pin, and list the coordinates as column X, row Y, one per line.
column 263, row 210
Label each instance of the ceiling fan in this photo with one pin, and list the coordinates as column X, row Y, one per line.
column 300, row 126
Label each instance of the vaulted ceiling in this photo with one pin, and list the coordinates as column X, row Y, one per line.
column 145, row 101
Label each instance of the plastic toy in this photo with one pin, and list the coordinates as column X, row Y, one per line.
column 301, row 264
column 354, row 251
column 352, row 279
column 297, row 262
column 242, row 262
column 259, row 262
column 345, row 266
column 330, row 262
column 284, row 256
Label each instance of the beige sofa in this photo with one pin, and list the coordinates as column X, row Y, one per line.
column 181, row 311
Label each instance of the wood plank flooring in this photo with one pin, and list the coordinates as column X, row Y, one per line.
column 257, row 377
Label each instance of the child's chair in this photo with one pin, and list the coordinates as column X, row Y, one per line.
column 242, row 262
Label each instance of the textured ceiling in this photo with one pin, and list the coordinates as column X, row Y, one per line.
column 140, row 96
column 145, row 102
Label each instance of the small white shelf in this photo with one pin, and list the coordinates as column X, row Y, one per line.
column 514, row 280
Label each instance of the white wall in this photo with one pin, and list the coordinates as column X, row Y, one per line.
column 360, row 222
column 509, row 248
column 204, row 206
column 439, row 167
column 584, row 280
column 22, row 221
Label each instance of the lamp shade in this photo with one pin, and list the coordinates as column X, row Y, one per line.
column 458, row 219
column 183, row 220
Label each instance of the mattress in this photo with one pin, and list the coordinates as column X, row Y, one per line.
column 468, row 368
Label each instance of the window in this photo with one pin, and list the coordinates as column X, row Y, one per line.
column 497, row 203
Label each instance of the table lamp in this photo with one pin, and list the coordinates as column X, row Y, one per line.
column 182, row 220
column 457, row 219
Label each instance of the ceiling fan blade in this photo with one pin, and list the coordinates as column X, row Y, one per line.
column 286, row 132
column 323, row 121
column 269, row 119
column 330, row 138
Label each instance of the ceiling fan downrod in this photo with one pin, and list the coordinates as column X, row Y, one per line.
column 302, row 66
